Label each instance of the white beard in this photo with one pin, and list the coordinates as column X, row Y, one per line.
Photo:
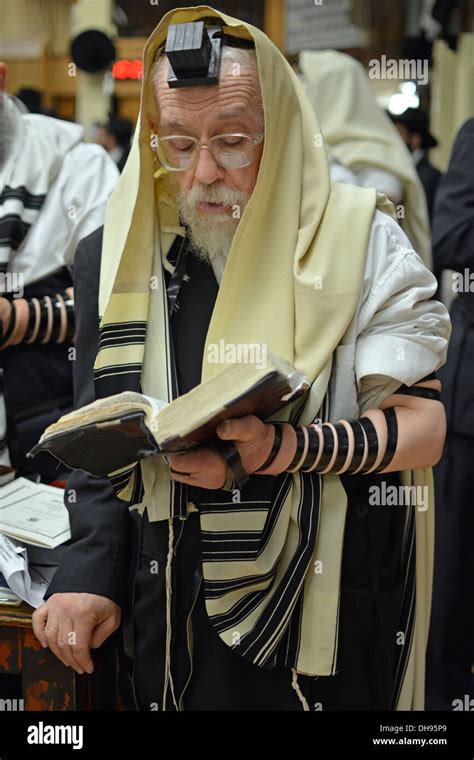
column 211, row 236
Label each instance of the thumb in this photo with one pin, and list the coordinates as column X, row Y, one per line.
column 40, row 616
column 240, row 429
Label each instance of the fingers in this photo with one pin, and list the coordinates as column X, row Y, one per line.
column 181, row 463
column 201, row 467
column 51, row 632
column 84, row 642
column 66, row 642
column 103, row 631
column 38, row 620
column 241, row 429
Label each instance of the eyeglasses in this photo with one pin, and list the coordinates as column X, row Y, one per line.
column 179, row 153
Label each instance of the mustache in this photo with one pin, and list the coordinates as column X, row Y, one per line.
column 216, row 194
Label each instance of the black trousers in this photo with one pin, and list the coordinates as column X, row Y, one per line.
column 208, row 675
column 451, row 644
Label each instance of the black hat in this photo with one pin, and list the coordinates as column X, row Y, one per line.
column 416, row 121
column 92, row 51
column 121, row 129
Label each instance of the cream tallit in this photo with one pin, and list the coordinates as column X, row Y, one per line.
column 359, row 134
column 295, row 231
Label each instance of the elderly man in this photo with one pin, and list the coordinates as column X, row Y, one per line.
column 281, row 576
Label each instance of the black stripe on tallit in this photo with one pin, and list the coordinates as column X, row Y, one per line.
column 407, row 615
column 120, row 480
column 243, row 548
column 239, row 611
column 272, row 623
column 117, row 370
column 130, row 339
column 288, row 649
column 179, row 491
column 20, row 193
column 129, row 332
column 13, row 231
column 216, row 589
column 241, row 544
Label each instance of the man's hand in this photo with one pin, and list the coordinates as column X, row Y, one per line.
column 72, row 624
column 205, row 468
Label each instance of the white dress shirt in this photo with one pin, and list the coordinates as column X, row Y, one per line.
column 74, row 207
column 397, row 335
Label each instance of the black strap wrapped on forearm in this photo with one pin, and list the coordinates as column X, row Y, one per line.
column 231, row 456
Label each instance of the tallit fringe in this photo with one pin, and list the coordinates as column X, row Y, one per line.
column 296, row 687
column 168, row 677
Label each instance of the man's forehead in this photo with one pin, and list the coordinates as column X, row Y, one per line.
column 234, row 96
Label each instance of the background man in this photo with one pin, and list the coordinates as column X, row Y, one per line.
column 54, row 188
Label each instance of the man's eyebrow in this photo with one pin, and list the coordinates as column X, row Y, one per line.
column 233, row 112
column 166, row 124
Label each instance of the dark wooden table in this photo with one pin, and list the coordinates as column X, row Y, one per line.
column 47, row 684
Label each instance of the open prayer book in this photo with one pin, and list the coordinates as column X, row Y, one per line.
column 118, row 430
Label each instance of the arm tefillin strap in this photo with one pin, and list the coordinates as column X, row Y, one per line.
column 372, row 442
column 6, row 333
column 415, row 390
column 275, row 447
column 231, row 456
column 360, row 443
column 392, row 437
column 50, row 320
column 351, row 447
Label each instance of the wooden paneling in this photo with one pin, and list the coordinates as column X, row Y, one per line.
column 274, row 22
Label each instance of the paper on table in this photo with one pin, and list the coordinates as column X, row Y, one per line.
column 25, row 580
column 7, row 596
column 34, row 513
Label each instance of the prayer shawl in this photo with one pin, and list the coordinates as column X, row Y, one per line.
column 37, row 152
column 359, row 134
column 295, row 232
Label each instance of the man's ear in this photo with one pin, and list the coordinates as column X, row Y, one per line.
column 3, row 76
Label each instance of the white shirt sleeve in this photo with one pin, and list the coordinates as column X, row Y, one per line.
column 401, row 334
column 383, row 181
column 90, row 176
column 340, row 173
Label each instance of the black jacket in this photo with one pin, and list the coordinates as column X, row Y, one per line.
column 453, row 248
column 97, row 561
column 429, row 177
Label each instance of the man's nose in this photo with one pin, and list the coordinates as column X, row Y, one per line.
column 207, row 169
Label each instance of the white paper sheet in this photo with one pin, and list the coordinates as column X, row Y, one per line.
column 34, row 513
column 27, row 581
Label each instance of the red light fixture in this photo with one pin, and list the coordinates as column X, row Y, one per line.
column 124, row 69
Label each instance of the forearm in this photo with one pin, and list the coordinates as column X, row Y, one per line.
column 37, row 320
column 407, row 432
column 415, row 426
column 97, row 558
